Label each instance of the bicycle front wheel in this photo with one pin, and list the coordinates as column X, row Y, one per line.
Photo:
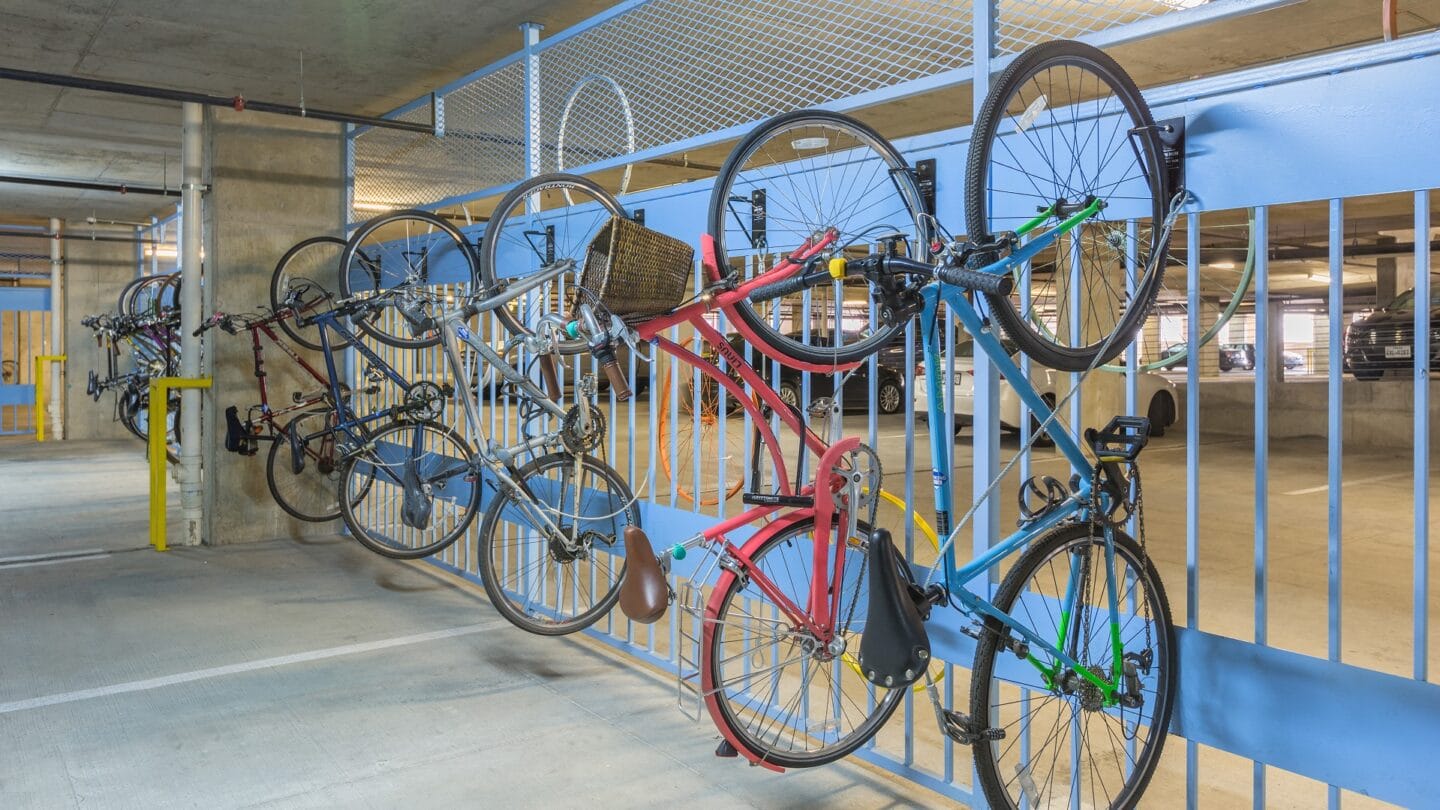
column 543, row 220
column 411, row 492
column 1064, row 127
column 793, row 178
column 406, row 250
column 298, row 276
column 792, row 700
column 1065, row 743
column 548, row 584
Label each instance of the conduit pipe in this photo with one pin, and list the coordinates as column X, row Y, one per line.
column 191, row 131
column 57, row 332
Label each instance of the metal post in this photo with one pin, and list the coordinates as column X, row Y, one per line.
column 190, row 316
column 1263, row 366
column 1421, row 353
column 57, row 332
column 531, row 32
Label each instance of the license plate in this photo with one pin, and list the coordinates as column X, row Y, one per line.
column 960, row 375
column 1397, row 352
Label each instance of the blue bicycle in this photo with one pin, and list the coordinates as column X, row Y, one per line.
column 1069, row 207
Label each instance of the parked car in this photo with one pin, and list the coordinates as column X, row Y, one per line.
column 889, row 389
column 1155, row 393
column 1233, row 356
column 1385, row 339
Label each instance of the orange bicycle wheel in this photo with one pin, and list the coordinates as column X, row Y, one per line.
column 698, row 438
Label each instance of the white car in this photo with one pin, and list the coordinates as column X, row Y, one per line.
column 1154, row 394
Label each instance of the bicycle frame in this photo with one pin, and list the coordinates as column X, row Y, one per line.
column 1077, row 506
column 268, row 415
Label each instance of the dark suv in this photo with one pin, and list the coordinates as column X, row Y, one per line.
column 889, row 380
column 1385, row 339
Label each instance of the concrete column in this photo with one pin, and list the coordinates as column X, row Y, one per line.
column 1386, row 280
column 1275, row 345
column 95, row 272
column 1210, row 310
column 56, row 422
column 273, row 182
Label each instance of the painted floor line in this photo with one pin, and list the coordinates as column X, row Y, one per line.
column 53, row 561
column 1371, row 480
column 246, row 666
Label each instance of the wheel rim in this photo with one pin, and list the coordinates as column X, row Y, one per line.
column 678, row 454
column 560, row 584
column 375, row 495
column 520, row 242
column 1063, row 107
column 783, row 694
column 789, row 395
column 783, row 182
column 306, row 274
column 889, row 396
column 406, row 250
column 1055, row 718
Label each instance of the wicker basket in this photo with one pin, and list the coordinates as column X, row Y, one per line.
column 635, row 272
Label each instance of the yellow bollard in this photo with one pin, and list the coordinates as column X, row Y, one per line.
column 159, row 403
column 40, row 362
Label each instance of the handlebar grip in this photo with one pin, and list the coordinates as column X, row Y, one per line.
column 618, row 383
column 989, row 283
column 789, row 286
column 547, row 373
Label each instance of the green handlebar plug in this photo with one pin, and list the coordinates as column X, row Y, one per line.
column 573, row 329
column 678, row 552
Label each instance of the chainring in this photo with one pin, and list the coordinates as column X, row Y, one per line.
column 578, row 440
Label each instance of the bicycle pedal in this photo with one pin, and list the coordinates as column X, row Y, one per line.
column 726, row 750
column 961, row 728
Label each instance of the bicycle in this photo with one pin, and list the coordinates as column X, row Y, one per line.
column 750, row 654
column 554, row 511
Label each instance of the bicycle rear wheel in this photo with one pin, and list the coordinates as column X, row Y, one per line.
column 313, row 493
column 1063, row 744
column 406, row 250
column 796, row 703
column 411, row 493
column 552, row 586
column 791, row 179
column 299, row 273
column 1064, row 126
column 541, row 221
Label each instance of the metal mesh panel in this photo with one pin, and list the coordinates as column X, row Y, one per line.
column 24, row 264
column 1022, row 23
column 688, row 67
column 483, row 147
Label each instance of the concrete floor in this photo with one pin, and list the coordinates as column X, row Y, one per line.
column 317, row 675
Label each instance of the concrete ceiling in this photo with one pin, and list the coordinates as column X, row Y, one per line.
column 363, row 56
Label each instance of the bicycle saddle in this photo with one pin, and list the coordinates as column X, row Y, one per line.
column 644, row 593
column 894, row 649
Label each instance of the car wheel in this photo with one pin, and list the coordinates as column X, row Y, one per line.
column 1161, row 414
column 1369, row 375
column 889, row 397
column 790, row 394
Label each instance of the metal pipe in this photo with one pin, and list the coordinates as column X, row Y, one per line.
column 57, row 332
column 187, row 97
column 191, row 129
column 116, row 188
column 67, row 237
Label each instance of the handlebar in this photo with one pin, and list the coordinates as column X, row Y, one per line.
column 884, row 265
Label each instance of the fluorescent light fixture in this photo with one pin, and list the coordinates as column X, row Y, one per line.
column 1222, row 265
column 374, row 206
column 810, row 143
column 1322, row 277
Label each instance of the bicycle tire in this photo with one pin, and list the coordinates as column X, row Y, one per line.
column 322, row 471
column 369, row 475
column 496, row 558
column 727, row 715
column 281, row 280
column 501, row 245
column 905, row 209
column 991, row 773
column 391, row 263
column 1020, row 326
